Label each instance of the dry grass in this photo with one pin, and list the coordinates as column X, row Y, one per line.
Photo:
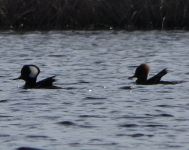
column 94, row 14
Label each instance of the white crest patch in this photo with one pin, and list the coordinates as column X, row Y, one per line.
column 33, row 72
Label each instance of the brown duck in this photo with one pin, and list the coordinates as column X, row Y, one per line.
column 142, row 71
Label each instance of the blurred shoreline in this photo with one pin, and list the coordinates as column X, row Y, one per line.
column 94, row 14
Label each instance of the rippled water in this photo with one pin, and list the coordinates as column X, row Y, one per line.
column 96, row 109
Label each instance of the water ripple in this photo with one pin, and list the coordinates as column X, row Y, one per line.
column 98, row 107
column 28, row 148
column 67, row 123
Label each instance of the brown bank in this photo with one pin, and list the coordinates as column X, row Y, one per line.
column 94, row 14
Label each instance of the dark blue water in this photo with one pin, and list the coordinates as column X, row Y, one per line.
column 98, row 107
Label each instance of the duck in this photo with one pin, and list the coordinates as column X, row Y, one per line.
column 142, row 71
column 29, row 74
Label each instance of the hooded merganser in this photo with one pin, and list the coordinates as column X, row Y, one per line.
column 29, row 74
column 142, row 71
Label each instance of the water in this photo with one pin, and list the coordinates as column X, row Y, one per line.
column 98, row 107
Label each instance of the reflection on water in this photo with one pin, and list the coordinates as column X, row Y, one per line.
column 98, row 107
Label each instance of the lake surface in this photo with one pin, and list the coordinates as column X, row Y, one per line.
column 98, row 108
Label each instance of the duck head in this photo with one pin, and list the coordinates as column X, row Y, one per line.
column 29, row 74
column 141, row 73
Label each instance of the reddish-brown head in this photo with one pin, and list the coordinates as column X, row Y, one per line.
column 141, row 73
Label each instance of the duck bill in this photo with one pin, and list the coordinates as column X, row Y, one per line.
column 17, row 78
column 132, row 77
